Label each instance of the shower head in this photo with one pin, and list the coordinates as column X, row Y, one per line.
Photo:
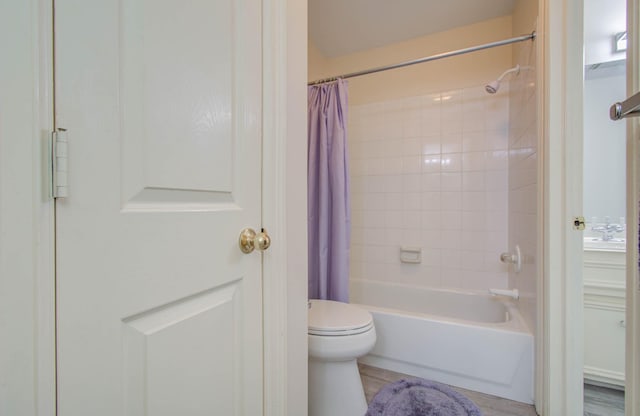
column 493, row 86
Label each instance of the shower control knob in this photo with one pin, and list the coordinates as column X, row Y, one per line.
column 250, row 240
column 514, row 258
column 507, row 258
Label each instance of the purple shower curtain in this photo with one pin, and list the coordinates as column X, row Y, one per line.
column 329, row 214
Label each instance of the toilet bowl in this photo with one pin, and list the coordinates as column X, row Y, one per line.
column 338, row 334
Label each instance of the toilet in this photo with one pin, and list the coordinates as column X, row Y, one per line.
column 339, row 333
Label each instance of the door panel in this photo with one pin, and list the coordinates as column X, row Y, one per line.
column 159, row 312
column 187, row 330
column 168, row 55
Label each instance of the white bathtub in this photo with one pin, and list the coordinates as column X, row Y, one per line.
column 472, row 341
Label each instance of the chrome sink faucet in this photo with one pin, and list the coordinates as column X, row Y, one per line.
column 607, row 229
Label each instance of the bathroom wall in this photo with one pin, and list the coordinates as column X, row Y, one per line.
column 316, row 62
column 457, row 72
column 524, row 163
column 604, row 144
column 430, row 171
column 602, row 20
column 428, row 153
column 525, row 14
column 604, row 164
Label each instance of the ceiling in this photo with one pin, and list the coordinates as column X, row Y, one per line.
column 340, row 27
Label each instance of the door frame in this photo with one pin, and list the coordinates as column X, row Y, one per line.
column 562, row 313
column 28, row 359
column 32, row 278
column 284, row 198
column 560, row 375
column 632, row 356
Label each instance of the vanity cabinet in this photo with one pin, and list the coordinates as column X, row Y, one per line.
column 604, row 312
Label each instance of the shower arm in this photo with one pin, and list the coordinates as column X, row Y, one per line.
column 515, row 69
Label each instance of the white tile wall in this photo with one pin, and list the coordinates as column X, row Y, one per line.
column 431, row 171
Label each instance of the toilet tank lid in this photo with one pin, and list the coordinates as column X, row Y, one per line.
column 328, row 315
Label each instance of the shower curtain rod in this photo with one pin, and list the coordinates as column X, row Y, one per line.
column 522, row 38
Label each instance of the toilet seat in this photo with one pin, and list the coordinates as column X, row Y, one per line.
column 329, row 318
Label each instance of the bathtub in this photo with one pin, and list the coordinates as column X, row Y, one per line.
column 474, row 341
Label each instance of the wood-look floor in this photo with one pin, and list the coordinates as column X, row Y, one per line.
column 599, row 401
column 374, row 378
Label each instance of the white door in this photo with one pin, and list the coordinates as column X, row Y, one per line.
column 159, row 312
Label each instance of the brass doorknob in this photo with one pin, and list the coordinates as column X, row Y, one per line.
column 250, row 240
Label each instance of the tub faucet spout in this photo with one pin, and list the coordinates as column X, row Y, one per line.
column 512, row 293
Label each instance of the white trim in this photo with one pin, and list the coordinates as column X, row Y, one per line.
column 539, row 378
column 562, row 291
column 605, row 303
column 632, row 365
column 605, row 288
column 46, row 281
column 607, row 298
column 600, row 375
column 274, row 211
column 284, row 207
column 27, row 120
column 605, row 265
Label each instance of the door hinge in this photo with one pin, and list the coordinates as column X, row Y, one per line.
column 578, row 223
column 59, row 164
